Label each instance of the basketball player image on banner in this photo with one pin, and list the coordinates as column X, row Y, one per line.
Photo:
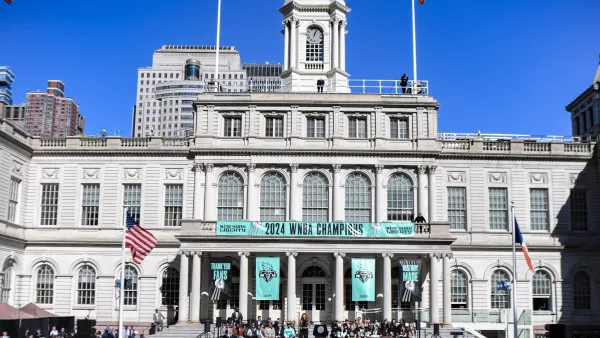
column 221, row 279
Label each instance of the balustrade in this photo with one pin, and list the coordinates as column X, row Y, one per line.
column 135, row 142
column 53, row 142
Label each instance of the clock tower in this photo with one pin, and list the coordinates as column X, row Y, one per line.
column 315, row 45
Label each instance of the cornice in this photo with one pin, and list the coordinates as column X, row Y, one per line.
column 113, row 153
column 291, row 6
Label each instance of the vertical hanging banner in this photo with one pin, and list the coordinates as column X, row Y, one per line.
column 267, row 278
column 221, row 279
column 363, row 279
column 410, row 286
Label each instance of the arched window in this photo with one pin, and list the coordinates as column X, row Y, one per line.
column 459, row 289
column 314, row 44
column 315, row 198
column 542, row 291
column 358, row 198
column 131, row 286
column 5, row 284
column 314, row 271
column 500, row 297
column 44, row 287
column 169, row 287
column 272, row 198
column 231, row 197
column 400, row 198
column 581, row 291
column 86, row 286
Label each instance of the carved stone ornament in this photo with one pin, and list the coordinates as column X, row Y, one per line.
column 232, row 113
column 316, row 114
column 336, row 168
column 173, row 174
column 457, row 176
column 17, row 168
column 294, row 168
column 538, row 178
column 379, row 168
column 357, row 114
column 90, row 173
column 132, row 173
column 574, row 177
column 422, row 169
column 497, row 177
column 52, row 173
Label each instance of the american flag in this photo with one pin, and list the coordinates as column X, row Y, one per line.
column 140, row 240
column 8, row 1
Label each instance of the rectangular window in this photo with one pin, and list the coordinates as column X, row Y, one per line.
column 457, row 208
column 358, row 127
column 90, row 204
column 233, row 127
column 173, row 205
column 278, row 304
column 263, row 304
column 13, row 199
column 539, row 209
column 578, row 209
column 274, row 127
column 49, row 204
column 498, row 209
column 315, row 127
column 399, row 128
column 132, row 194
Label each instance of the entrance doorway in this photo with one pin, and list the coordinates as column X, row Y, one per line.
column 314, row 295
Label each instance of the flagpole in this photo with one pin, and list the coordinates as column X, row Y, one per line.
column 514, row 259
column 414, row 34
column 122, row 291
column 218, row 44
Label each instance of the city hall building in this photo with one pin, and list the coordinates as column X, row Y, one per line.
column 316, row 180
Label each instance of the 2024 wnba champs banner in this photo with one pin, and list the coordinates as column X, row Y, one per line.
column 410, row 286
column 363, row 279
column 267, row 278
column 221, row 279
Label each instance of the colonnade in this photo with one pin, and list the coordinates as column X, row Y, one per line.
column 205, row 193
column 437, row 262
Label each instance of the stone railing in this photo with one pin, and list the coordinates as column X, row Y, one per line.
column 135, row 142
column 577, row 148
column 516, row 147
column 176, row 142
column 456, row 145
column 496, row 146
column 93, row 142
column 53, row 142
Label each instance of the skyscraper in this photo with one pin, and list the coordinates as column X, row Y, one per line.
column 51, row 114
column 7, row 77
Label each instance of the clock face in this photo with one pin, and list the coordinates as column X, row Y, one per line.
column 314, row 35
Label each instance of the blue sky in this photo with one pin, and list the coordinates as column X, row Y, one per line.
column 499, row 66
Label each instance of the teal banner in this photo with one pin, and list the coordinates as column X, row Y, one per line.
column 267, row 278
column 303, row 229
column 363, row 279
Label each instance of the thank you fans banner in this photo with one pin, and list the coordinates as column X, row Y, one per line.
column 304, row 229
column 363, row 279
column 410, row 286
column 267, row 278
column 221, row 279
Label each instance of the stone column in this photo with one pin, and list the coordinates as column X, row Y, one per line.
column 295, row 195
column 447, row 306
column 198, row 191
column 196, row 280
column 335, row 42
column 387, row 285
column 338, row 195
column 434, row 301
column 380, row 202
column 253, row 212
column 421, row 195
column 293, row 39
column 291, row 286
column 343, row 46
column 183, row 287
column 286, row 45
column 244, row 283
column 210, row 209
column 339, row 286
column 432, row 194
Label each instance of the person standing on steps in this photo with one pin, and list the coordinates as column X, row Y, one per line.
column 237, row 315
column 304, row 324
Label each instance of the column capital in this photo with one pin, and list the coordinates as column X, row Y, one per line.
column 379, row 168
column 251, row 167
column 291, row 253
column 294, row 167
column 335, row 21
column 244, row 253
column 422, row 169
column 196, row 253
column 197, row 167
column 336, row 168
column 448, row 255
column 435, row 255
column 208, row 167
column 339, row 254
column 387, row 254
column 432, row 169
column 183, row 252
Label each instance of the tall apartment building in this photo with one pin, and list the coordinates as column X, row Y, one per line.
column 51, row 114
column 7, row 77
column 585, row 110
